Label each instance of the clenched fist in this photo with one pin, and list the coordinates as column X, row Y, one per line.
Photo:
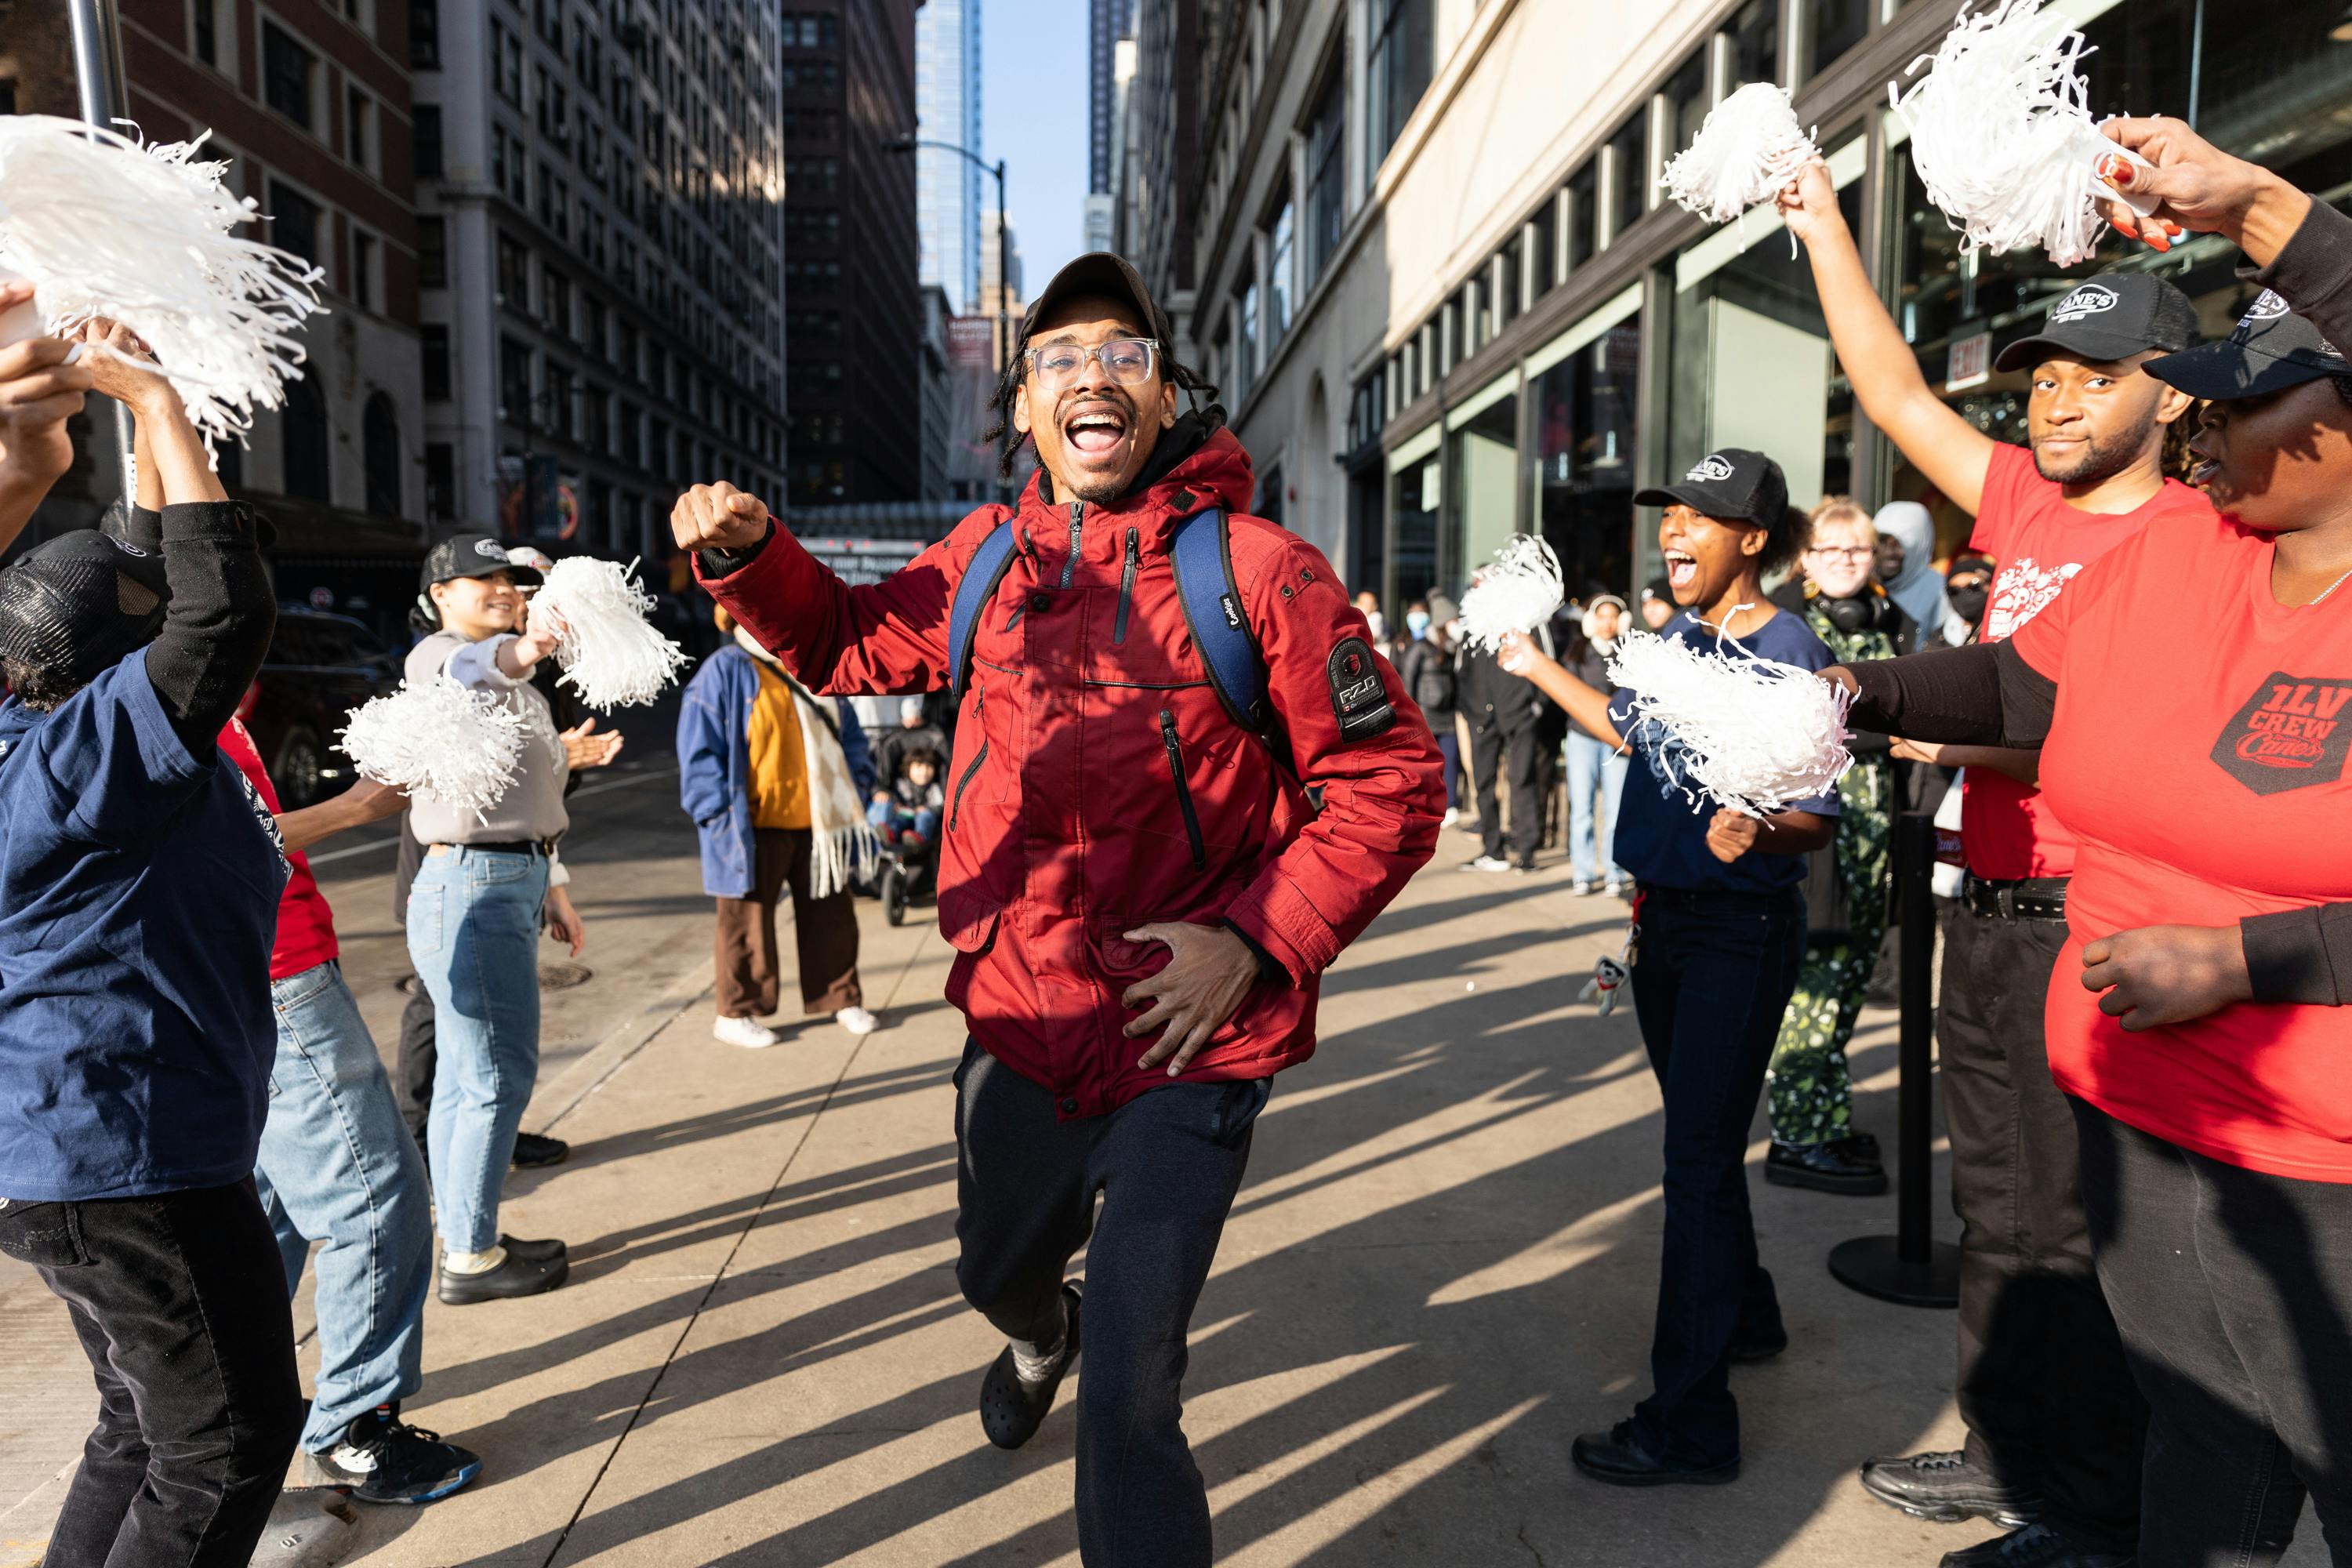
column 719, row 517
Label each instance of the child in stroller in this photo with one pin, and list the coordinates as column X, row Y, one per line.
column 905, row 815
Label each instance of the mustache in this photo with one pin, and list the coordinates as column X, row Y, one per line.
column 1073, row 402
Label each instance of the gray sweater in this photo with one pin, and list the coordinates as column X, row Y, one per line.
column 532, row 807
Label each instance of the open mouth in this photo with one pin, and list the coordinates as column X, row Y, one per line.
column 1095, row 429
column 2204, row 473
column 1682, row 569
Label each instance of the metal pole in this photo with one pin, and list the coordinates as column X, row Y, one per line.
column 97, row 79
column 1003, row 300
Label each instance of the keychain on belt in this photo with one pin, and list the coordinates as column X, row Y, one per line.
column 1609, row 975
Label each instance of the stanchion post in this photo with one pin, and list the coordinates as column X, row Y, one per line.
column 1910, row 1267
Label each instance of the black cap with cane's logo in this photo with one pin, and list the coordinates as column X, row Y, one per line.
column 2106, row 318
column 1732, row 484
column 2270, row 350
column 479, row 555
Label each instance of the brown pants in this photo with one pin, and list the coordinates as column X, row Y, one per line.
column 823, row 929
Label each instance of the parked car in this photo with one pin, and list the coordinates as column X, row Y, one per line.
column 320, row 668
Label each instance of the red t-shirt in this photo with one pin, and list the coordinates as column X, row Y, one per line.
column 2040, row 543
column 306, row 926
column 2198, row 757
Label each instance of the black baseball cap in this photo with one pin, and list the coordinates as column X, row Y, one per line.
column 1732, row 484
column 479, row 555
column 2107, row 318
column 79, row 603
column 2270, row 350
column 1104, row 273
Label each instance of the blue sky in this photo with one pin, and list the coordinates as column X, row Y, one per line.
column 1032, row 56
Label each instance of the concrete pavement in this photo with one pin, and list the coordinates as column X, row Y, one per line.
column 1440, row 1270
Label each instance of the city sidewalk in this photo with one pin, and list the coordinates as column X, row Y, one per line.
column 1440, row 1270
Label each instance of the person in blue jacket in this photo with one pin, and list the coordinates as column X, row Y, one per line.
column 776, row 780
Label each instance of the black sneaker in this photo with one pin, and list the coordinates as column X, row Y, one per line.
column 528, row 1269
column 531, row 1151
column 2035, row 1546
column 1846, row 1166
column 1947, row 1489
column 383, row 1458
column 1011, row 1410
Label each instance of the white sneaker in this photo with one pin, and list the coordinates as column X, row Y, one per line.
column 1584, row 887
column 1486, row 863
column 749, row 1032
column 858, row 1020
column 1452, row 816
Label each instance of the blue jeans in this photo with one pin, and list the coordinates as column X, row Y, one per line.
column 889, row 820
column 337, row 1165
column 473, row 935
column 1715, row 973
column 1591, row 763
column 1449, row 746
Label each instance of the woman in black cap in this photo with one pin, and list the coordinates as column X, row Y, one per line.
column 2196, row 1022
column 1722, row 932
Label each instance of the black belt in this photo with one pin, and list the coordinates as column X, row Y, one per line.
column 509, row 847
column 2022, row 898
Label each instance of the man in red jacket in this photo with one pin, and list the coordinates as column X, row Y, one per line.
column 1140, row 891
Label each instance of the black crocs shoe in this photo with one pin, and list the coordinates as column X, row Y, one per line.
column 1945, row 1488
column 1011, row 1411
column 383, row 1459
column 528, row 1269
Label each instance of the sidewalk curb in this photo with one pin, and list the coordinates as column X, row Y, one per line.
column 564, row 1093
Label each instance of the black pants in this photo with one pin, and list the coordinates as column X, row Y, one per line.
column 1714, row 976
column 1515, row 754
column 2043, row 1386
column 1166, row 1165
column 2234, row 1291
column 412, row 1078
column 180, row 1302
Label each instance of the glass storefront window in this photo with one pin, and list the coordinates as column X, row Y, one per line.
column 1686, row 104
column 1543, row 233
column 1584, row 428
column 1582, row 211
column 1630, row 155
column 1756, row 42
column 1482, row 465
column 2270, row 85
column 1414, row 501
column 1835, row 27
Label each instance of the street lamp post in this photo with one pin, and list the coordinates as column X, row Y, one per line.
column 908, row 145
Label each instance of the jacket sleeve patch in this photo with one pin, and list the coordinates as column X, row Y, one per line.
column 1360, row 698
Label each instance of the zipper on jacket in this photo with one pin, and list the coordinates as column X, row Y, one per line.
column 1183, row 790
column 955, row 807
column 1070, row 565
column 1126, row 587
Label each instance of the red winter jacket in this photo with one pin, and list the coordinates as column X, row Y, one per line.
column 1066, row 824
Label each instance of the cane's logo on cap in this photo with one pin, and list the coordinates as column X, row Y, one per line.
column 2268, row 307
column 1712, row 468
column 2088, row 300
column 490, row 548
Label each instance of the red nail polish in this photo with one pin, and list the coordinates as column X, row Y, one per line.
column 2115, row 168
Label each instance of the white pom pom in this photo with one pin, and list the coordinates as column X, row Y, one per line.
column 1750, row 147
column 2002, row 137
column 105, row 227
column 607, row 652
column 1519, row 593
column 440, row 740
column 1743, row 731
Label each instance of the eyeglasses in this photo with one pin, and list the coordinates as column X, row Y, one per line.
column 1126, row 361
column 1852, row 555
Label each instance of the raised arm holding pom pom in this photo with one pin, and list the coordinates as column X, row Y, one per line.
column 2197, row 187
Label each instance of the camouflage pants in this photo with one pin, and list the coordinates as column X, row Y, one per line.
column 1810, row 1084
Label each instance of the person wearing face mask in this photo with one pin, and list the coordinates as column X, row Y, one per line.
column 1722, row 928
column 1428, row 670
column 484, row 891
column 2053, row 1419
column 1811, row 1086
column 2197, row 1026
column 1596, row 770
column 1140, row 898
column 1968, row 588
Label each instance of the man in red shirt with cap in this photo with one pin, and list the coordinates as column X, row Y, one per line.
column 1154, row 846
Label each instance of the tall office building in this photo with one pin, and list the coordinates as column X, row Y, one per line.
column 601, row 253
column 948, row 189
column 1153, row 214
column 857, row 326
column 1009, row 304
column 1107, row 21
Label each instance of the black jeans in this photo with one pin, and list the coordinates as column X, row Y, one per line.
column 180, row 1301
column 1496, row 754
column 2233, row 1289
column 412, row 1078
column 1712, row 978
column 1166, row 1164
column 2043, row 1386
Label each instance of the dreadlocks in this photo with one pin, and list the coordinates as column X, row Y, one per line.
column 1008, row 439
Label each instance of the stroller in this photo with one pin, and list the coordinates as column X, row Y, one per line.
column 906, row 872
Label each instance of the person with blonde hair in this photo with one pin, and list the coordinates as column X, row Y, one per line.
column 1814, row 1141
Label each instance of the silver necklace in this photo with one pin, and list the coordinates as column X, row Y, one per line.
column 2331, row 588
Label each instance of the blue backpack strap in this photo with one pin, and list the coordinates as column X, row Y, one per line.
column 973, row 591
column 1213, row 609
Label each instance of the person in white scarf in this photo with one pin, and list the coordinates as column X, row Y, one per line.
column 776, row 781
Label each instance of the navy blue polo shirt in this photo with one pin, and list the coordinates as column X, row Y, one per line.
column 139, row 891
column 1661, row 837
